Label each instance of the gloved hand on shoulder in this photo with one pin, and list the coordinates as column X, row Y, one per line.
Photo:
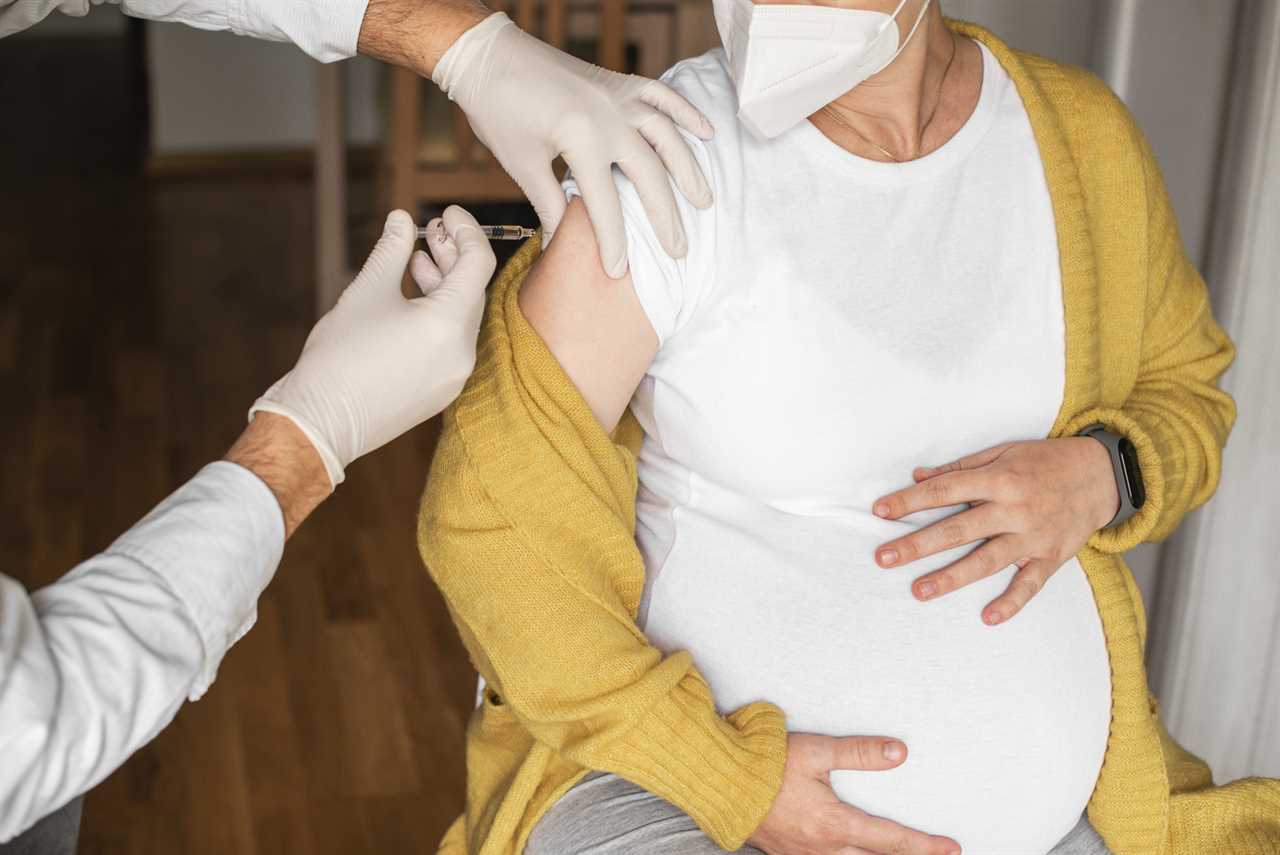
column 530, row 103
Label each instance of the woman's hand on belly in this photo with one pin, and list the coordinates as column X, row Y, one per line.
column 1035, row 502
column 808, row 819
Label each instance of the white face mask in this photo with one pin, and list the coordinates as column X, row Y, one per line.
column 790, row 61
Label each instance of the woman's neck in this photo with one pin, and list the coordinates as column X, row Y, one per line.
column 916, row 104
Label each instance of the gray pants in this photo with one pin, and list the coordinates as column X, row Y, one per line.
column 608, row 815
column 56, row 834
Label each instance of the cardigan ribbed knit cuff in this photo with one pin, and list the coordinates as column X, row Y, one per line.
column 724, row 773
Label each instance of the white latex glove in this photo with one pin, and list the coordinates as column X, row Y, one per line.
column 377, row 365
column 529, row 103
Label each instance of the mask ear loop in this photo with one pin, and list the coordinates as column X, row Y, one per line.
column 893, row 16
column 893, row 19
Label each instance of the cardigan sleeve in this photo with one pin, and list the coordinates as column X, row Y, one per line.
column 527, row 528
column 584, row 682
column 1176, row 416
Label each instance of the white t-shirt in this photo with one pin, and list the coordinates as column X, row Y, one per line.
column 836, row 322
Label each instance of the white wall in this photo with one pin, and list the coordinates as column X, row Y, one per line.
column 1170, row 60
column 101, row 21
column 218, row 91
column 213, row 91
column 1060, row 29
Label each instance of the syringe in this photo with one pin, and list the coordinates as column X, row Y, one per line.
column 491, row 232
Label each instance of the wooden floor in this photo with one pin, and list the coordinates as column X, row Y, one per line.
column 137, row 324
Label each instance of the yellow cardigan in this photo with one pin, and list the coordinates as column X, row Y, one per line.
column 528, row 519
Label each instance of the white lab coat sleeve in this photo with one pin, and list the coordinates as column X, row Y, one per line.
column 326, row 29
column 93, row 666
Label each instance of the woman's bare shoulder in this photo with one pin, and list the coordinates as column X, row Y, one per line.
column 593, row 325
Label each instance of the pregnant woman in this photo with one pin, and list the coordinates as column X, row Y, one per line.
column 971, row 251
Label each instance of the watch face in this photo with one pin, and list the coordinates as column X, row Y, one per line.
column 1132, row 473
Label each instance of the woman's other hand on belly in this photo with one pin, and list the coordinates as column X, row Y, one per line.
column 808, row 819
column 1035, row 503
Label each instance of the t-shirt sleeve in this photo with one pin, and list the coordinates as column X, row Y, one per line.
column 669, row 289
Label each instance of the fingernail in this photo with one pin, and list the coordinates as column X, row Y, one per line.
column 882, row 509
column 888, row 556
column 892, row 751
column 927, row 590
column 992, row 617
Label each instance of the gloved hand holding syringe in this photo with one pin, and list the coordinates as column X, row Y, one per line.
column 350, row 393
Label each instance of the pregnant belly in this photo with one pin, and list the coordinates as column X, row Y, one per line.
column 1005, row 726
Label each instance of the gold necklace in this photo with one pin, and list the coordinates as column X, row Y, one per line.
column 842, row 121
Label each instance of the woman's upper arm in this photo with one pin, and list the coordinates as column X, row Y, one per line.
column 594, row 326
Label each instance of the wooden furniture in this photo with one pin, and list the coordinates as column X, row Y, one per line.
column 471, row 174
column 333, row 270
column 430, row 152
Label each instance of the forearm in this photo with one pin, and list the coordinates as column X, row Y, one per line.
column 82, row 682
column 273, row 448
column 1176, row 415
column 416, row 33
column 93, row 666
column 324, row 29
column 409, row 33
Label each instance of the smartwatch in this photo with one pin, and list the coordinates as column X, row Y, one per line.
column 1124, row 464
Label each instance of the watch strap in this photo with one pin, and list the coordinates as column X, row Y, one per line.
column 1111, row 441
